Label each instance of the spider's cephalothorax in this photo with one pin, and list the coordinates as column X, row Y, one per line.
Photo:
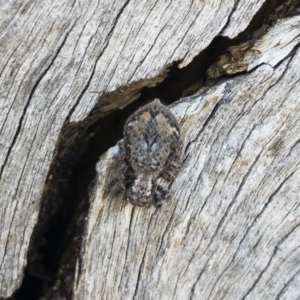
column 151, row 149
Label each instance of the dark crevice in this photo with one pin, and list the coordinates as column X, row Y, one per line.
column 56, row 240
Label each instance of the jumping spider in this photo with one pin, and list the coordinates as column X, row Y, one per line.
column 151, row 149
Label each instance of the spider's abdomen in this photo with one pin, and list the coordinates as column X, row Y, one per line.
column 151, row 138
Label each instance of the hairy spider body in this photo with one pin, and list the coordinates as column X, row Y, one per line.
column 151, row 149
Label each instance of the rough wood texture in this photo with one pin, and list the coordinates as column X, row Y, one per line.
column 232, row 227
column 269, row 48
column 55, row 55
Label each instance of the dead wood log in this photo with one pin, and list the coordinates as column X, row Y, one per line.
column 231, row 228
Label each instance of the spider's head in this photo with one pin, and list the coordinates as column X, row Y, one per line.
column 142, row 190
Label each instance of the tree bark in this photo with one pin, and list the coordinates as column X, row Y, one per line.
column 231, row 227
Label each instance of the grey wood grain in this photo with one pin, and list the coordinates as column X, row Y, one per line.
column 55, row 55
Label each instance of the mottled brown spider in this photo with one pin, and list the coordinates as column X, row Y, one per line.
column 151, row 149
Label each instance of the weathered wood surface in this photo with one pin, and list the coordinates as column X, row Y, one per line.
column 232, row 227
column 270, row 47
column 55, row 55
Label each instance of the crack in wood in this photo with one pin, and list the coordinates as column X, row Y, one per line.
column 72, row 165
column 29, row 99
column 269, row 262
column 97, row 60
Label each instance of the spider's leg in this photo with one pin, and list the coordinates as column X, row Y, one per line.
column 122, row 154
column 165, row 193
column 121, row 176
column 157, row 200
